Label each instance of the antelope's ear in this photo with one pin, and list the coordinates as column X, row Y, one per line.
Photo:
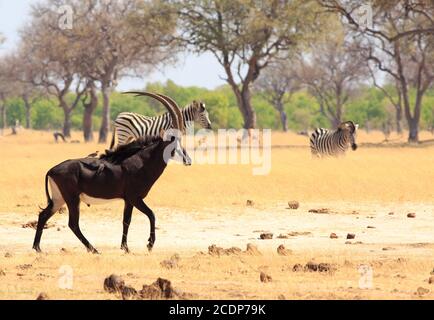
column 357, row 126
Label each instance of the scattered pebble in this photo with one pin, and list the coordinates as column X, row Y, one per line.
column 431, row 280
column 2, row 273
column 252, row 250
column 293, row 205
column 281, row 297
column 265, row 277
column 422, row 291
column 333, row 235
column 282, row 251
column 297, row 267
column 411, row 215
column 8, row 255
column 114, row 284
column 370, row 227
column 250, row 203
column 266, row 236
column 42, row 296
column 391, row 213
column 351, row 236
column 213, row 250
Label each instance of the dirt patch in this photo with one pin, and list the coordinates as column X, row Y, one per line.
column 320, row 211
column 34, row 224
column 172, row 262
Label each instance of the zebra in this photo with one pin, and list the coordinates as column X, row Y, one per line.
column 324, row 142
column 131, row 126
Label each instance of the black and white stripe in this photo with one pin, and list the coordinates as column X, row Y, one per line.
column 130, row 126
column 324, row 142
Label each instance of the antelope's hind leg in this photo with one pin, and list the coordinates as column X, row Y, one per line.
column 128, row 210
column 73, row 204
column 54, row 205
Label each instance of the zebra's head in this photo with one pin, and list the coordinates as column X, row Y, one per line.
column 350, row 131
column 201, row 114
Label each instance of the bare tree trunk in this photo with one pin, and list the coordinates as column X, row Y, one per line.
column 67, row 123
column 246, row 109
column 89, row 108
column 413, row 126
column 105, row 125
column 3, row 115
column 398, row 121
column 282, row 114
column 28, row 107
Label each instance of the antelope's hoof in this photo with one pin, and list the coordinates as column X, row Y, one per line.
column 37, row 249
column 125, row 248
column 150, row 246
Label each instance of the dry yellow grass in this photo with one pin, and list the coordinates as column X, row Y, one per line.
column 205, row 204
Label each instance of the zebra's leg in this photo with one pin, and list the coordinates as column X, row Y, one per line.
column 140, row 205
column 128, row 210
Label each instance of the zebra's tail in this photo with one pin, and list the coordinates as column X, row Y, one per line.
column 112, row 144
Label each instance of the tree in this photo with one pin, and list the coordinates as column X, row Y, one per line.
column 277, row 84
column 398, row 43
column 5, row 91
column 54, row 60
column 126, row 37
column 332, row 73
column 245, row 36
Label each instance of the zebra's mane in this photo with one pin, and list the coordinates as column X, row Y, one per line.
column 126, row 151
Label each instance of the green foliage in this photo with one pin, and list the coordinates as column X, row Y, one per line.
column 370, row 107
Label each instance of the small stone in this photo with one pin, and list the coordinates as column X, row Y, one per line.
column 265, row 277
column 128, row 293
column 351, row 236
column 297, row 267
column 370, row 227
column 113, row 284
column 391, row 213
column 2, row 273
column 43, row 296
column 411, row 215
column 281, row 297
column 311, row 266
column 8, row 255
column 252, row 250
column 293, row 205
column 422, row 291
column 250, row 203
column 282, row 251
column 431, row 280
column 333, row 235
column 266, row 236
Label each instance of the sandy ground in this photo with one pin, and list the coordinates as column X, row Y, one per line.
column 391, row 256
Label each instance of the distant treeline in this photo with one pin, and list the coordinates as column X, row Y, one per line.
column 370, row 108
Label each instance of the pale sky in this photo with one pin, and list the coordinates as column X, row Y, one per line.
column 191, row 70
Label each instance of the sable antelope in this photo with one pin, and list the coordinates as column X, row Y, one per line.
column 127, row 173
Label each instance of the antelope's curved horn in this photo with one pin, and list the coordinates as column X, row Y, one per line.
column 181, row 125
column 174, row 111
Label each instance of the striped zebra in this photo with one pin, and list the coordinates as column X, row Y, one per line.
column 130, row 126
column 324, row 142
